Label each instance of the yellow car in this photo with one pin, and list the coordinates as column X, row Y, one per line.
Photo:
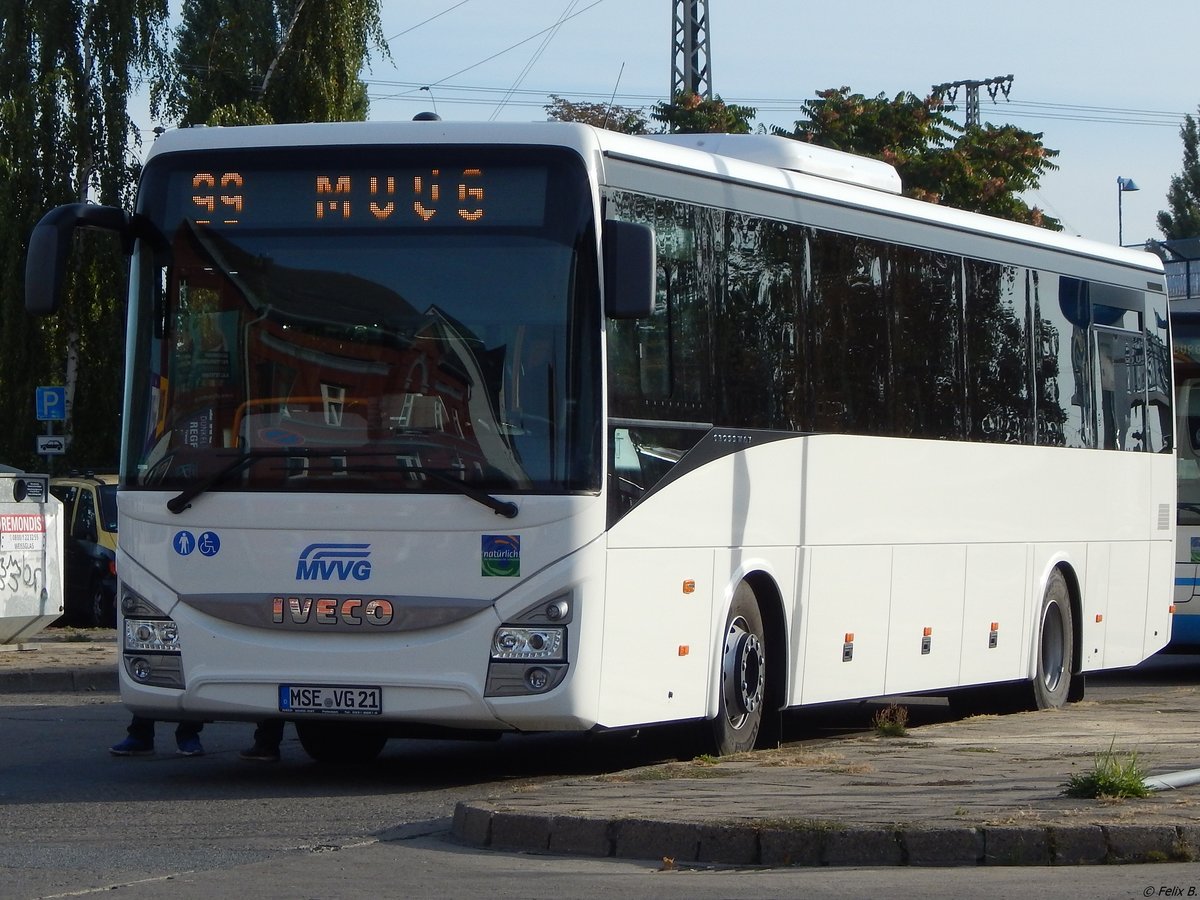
column 90, row 554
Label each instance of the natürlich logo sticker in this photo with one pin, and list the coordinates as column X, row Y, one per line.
column 501, row 555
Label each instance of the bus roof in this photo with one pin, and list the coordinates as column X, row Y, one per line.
column 776, row 163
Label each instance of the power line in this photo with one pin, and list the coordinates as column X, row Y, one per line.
column 550, row 35
column 500, row 52
column 1025, row 109
column 426, row 21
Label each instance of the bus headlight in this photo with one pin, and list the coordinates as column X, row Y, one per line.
column 151, row 636
column 515, row 642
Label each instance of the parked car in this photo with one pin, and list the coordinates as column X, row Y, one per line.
column 90, row 554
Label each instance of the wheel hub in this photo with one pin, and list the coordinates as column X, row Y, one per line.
column 742, row 670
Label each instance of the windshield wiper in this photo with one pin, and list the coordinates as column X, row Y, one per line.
column 500, row 507
column 183, row 500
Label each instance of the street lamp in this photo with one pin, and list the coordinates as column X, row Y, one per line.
column 1123, row 185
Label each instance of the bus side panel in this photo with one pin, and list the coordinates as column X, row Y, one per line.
column 1159, row 621
column 926, row 623
column 846, row 605
column 1095, row 589
column 656, row 636
column 1126, row 623
column 1159, row 624
column 751, row 498
column 996, row 594
column 798, row 629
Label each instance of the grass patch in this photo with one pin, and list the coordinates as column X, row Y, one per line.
column 1114, row 775
column 823, row 826
column 798, row 757
column 77, row 637
column 891, row 721
column 668, row 772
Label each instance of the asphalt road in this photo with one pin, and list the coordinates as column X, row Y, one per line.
column 75, row 820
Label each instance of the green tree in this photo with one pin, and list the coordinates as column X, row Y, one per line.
column 1182, row 217
column 983, row 169
column 249, row 62
column 692, row 114
column 602, row 115
column 66, row 73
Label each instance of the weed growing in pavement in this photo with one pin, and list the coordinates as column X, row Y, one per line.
column 891, row 721
column 1114, row 775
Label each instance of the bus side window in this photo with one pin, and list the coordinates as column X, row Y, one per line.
column 1121, row 389
column 628, row 486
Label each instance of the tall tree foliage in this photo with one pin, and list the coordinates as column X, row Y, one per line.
column 1181, row 219
column 246, row 62
column 983, row 169
column 625, row 119
column 66, row 73
column 689, row 113
column 67, row 69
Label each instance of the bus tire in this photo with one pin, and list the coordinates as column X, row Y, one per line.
column 742, row 668
column 340, row 745
column 1055, row 646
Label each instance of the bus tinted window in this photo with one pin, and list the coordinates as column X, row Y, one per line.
column 816, row 331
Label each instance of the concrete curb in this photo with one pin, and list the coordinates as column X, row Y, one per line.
column 490, row 826
column 59, row 680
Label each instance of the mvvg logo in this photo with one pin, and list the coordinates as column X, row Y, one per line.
column 321, row 562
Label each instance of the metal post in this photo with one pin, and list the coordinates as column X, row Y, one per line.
column 690, row 61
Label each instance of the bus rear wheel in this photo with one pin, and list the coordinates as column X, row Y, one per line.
column 345, row 744
column 1055, row 646
column 743, row 677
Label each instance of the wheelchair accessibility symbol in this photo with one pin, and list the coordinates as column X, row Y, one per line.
column 184, row 542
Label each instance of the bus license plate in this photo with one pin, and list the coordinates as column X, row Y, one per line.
column 346, row 700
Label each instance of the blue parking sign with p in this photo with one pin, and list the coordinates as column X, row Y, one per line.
column 51, row 403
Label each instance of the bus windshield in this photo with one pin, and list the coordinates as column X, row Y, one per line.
column 344, row 320
column 1185, row 340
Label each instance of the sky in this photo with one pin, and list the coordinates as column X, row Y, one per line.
column 1107, row 84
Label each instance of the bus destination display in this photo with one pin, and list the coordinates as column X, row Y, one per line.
column 434, row 197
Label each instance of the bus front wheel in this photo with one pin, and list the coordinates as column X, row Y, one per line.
column 345, row 744
column 743, row 676
column 1056, row 644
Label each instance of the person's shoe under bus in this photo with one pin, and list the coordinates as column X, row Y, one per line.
column 132, row 746
column 190, row 746
column 260, row 753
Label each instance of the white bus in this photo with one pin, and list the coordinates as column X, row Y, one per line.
column 1185, row 331
column 447, row 428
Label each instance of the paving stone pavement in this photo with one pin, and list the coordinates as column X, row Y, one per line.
column 984, row 790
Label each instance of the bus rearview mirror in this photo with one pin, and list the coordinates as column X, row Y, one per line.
column 629, row 270
column 49, row 244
